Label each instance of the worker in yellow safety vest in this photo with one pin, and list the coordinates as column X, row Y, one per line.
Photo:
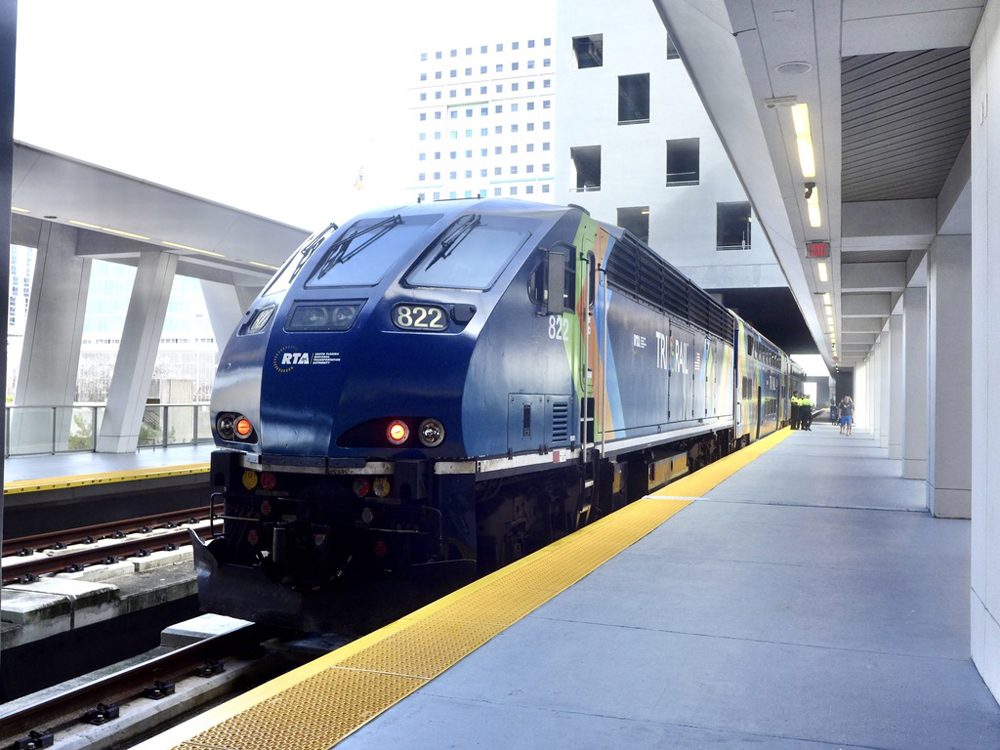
column 795, row 410
column 806, row 412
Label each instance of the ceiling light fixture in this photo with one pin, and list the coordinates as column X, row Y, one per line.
column 20, row 210
column 803, row 136
column 192, row 249
column 821, row 269
column 812, row 206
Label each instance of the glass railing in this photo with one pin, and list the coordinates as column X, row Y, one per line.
column 33, row 430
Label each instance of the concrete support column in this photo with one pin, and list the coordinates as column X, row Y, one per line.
column 137, row 354
column 949, row 353
column 50, row 357
column 225, row 310
column 915, row 383
column 895, row 383
column 859, row 393
column 984, row 597
column 874, row 380
column 885, row 393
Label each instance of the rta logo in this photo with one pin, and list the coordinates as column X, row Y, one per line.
column 285, row 360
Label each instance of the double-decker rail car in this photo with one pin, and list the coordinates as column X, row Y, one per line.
column 432, row 391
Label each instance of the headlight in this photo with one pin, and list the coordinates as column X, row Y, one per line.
column 397, row 432
column 232, row 426
column 260, row 319
column 323, row 316
column 431, row 433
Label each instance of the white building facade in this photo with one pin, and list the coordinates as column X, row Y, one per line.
column 634, row 146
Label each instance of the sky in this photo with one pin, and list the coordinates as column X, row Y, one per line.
column 271, row 111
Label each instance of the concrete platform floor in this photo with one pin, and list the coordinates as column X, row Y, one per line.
column 807, row 602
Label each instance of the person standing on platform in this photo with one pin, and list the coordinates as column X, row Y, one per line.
column 834, row 414
column 846, row 415
column 806, row 412
column 795, row 410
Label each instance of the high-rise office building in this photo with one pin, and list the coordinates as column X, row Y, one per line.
column 482, row 120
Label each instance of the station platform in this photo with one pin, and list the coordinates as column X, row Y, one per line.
column 27, row 473
column 793, row 595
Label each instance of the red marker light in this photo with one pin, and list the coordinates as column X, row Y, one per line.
column 398, row 432
column 243, row 428
column 268, row 481
column 362, row 486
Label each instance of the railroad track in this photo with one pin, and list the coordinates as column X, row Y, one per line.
column 27, row 558
column 135, row 700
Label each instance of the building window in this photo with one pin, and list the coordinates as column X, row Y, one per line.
column 531, row 126
column 733, row 226
column 423, row 116
column 423, row 76
column 547, row 42
column 500, row 88
column 531, row 64
column 672, row 53
column 531, row 43
column 423, row 57
column 633, row 98
column 423, row 96
column 437, row 196
column 515, row 45
column 531, row 85
column 468, row 72
column 683, row 162
column 589, row 50
column 529, row 189
column 586, row 168
column 545, row 188
column 514, row 66
column 636, row 221
column 454, row 53
column 437, row 55
column 468, row 50
column 496, row 191
column 437, row 74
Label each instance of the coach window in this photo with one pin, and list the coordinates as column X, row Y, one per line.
column 733, row 226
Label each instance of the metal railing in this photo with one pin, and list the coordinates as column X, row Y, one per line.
column 33, row 430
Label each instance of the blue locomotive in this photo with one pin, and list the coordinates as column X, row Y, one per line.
column 432, row 391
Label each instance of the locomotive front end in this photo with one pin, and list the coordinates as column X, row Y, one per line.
column 338, row 410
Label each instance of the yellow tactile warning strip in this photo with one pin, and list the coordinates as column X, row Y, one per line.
column 317, row 705
column 109, row 477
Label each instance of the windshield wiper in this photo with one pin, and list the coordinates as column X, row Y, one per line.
column 458, row 233
column 338, row 252
column 310, row 248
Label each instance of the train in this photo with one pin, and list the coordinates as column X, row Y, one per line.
column 430, row 392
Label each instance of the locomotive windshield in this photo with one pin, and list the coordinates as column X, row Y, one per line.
column 367, row 249
column 470, row 254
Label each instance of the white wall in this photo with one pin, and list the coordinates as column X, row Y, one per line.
column 682, row 224
column 985, row 597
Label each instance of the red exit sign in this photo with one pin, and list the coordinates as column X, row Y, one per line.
column 818, row 250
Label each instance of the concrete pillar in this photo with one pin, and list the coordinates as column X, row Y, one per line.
column 915, row 383
column 50, row 357
column 137, row 354
column 949, row 353
column 874, row 381
column 885, row 379
column 984, row 597
column 224, row 310
column 896, row 387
